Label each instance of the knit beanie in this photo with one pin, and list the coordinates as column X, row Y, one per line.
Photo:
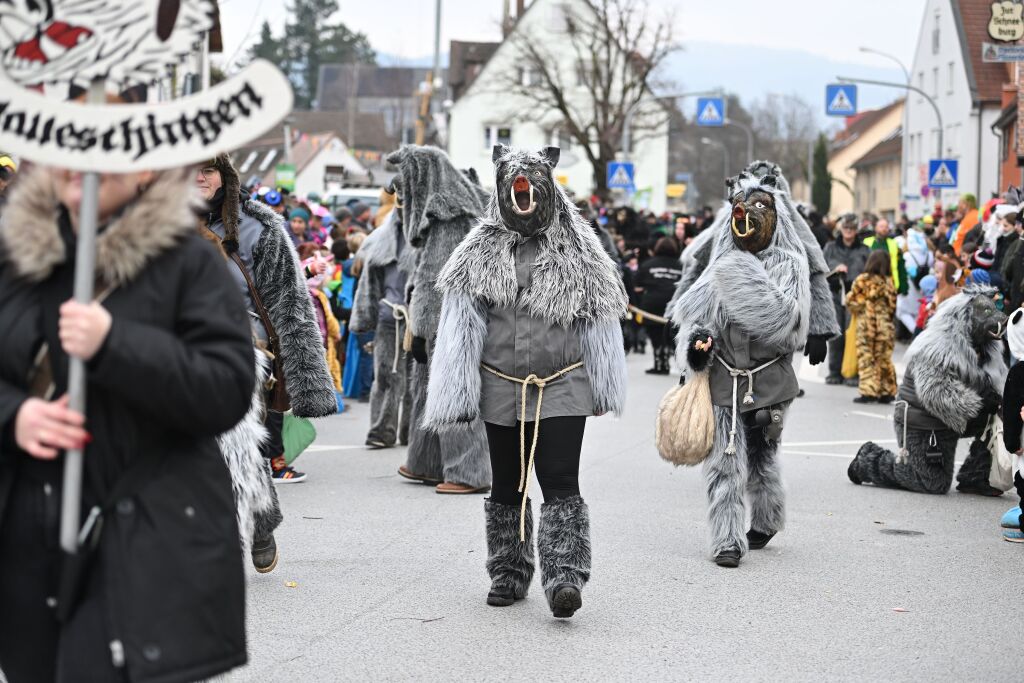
column 300, row 212
column 982, row 258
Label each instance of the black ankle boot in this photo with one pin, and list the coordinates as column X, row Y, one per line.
column 757, row 540
column 509, row 560
column 728, row 558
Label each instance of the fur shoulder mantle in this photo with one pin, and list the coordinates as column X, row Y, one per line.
column 153, row 223
column 380, row 248
column 573, row 277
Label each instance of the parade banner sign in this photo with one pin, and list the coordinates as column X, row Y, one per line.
column 122, row 138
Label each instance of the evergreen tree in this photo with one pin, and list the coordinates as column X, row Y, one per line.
column 309, row 41
column 821, row 192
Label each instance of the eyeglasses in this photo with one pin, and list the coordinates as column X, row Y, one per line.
column 208, row 172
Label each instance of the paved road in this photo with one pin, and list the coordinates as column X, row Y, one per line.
column 390, row 582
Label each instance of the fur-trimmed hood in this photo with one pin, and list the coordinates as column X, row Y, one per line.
column 152, row 223
column 432, row 190
column 573, row 278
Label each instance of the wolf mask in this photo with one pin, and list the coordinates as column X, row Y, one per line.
column 525, row 189
column 754, row 215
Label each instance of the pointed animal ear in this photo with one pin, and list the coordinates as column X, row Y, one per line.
column 769, row 180
column 551, row 155
column 498, row 152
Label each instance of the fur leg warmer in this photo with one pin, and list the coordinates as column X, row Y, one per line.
column 764, row 487
column 563, row 544
column 465, row 457
column 510, row 562
column 920, row 473
column 267, row 519
column 726, row 477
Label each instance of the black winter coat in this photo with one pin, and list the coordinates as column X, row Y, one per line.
column 176, row 369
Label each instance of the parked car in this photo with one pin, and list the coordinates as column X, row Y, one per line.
column 347, row 196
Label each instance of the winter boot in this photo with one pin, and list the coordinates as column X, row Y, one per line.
column 757, row 540
column 563, row 543
column 1011, row 520
column 862, row 465
column 509, row 560
column 264, row 554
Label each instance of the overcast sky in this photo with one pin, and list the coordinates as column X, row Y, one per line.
column 834, row 30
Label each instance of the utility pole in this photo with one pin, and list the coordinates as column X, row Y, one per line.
column 905, row 181
column 433, row 77
column 725, row 155
column 904, row 86
column 750, row 137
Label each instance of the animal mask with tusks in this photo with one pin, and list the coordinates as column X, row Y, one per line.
column 754, row 215
column 525, row 189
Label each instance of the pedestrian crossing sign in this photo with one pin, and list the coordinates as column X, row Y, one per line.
column 942, row 172
column 841, row 99
column 711, row 111
column 620, row 175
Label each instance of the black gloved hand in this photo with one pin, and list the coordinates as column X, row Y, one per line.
column 419, row 350
column 990, row 403
column 816, row 348
column 699, row 359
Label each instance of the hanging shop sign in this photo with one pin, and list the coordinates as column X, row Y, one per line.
column 1007, row 21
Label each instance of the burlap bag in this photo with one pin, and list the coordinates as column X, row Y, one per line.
column 685, row 428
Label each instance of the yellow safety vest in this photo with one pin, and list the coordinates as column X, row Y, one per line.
column 894, row 257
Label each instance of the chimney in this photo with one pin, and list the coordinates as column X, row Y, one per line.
column 506, row 18
column 520, row 9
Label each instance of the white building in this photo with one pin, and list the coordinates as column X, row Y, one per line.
column 948, row 67
column 483, row 116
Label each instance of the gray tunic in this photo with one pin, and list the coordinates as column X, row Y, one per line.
column 519, row 344
column 775, row 384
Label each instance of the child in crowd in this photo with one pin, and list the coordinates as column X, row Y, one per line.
column 873, row 300
column 1013, row 422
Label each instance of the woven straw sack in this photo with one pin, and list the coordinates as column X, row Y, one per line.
column 685, row 428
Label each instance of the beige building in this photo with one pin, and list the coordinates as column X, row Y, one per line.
column 863, row 132
column 877, row 178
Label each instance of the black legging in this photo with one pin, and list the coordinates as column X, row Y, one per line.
column 557, row 460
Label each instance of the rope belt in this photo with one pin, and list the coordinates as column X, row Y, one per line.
column 748, row 396
column 401, row 313
column 661, row 320
column 525, row 469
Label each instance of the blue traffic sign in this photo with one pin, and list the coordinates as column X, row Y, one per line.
column 841, row 99
column 942, row 172
column 711, row 111
column 620, row 175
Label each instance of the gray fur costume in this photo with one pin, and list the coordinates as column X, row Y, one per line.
column 439, row 206
column 387, row 263
column 695, row 258
column 530, row 295
column 950, row 389
column 756, row 308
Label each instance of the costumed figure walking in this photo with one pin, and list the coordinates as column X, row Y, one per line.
column 741, row 321
column 381, row 305
column 265, row 268
column 439, row 207
column 951, row 389
column 530, row 341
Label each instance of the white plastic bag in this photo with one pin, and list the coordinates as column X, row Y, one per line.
column 1000, row 475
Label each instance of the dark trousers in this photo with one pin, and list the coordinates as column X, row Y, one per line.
column 274, row 445
column 33, row 646
column 837, row 346
column 557, row 460
column 266, row 522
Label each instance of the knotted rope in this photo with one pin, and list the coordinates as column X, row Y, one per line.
column 748, row 395
column 661, row 320
column 401, row 313
column 526, row 469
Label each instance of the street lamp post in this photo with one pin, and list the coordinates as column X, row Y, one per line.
column 725, row 154
column 904, row 176
column 750, row 137
column 904, row 86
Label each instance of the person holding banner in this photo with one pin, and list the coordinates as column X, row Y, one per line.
column 156, row 590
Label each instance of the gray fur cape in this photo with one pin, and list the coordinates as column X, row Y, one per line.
column 379, row 250
column 695, row 258
column 278, row 278
column 574, row 283
column 949, row 376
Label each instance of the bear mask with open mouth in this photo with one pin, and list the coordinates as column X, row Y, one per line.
column 525, row 189
column 754, row 216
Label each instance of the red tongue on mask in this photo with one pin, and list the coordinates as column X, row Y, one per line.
column 520, row 184
column 739, row 212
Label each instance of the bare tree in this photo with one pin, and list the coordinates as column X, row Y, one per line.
column 617, row 52
column 786, row 127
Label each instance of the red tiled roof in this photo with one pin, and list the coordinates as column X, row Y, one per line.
column 986, row 78
column 888, row 149
column 860, row 124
